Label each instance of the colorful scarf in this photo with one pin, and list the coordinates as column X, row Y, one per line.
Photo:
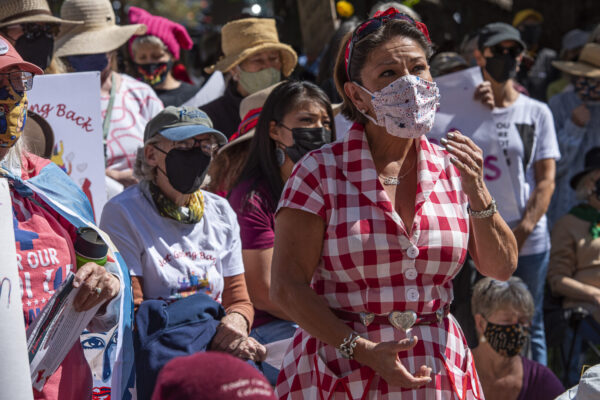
column 190, row 214
column 590, row 214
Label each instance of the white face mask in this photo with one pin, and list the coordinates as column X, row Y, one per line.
column 405, row 107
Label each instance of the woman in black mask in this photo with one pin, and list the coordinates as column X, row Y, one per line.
column 155, row 57
column 178, row 240
column 295, row 119
column 503, row 312
column 31, row 28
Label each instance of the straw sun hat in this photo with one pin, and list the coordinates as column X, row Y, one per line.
column 14, row 12
column 98, row 34
column 588, row 63
column 250, row 109
column 244, row 37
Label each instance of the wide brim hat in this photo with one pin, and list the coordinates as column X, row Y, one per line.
column 98, row 34
column 250, row 108
column 39, row 135
column 244, row 37
column 15, row 12
column 588, row 63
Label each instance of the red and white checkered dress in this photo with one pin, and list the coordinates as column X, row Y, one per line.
column 370, row 263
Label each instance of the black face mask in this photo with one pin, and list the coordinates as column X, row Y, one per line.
column 306, row 140
column 501, row 67
column 155, row 73
column 37, row 49
column 186, row 169
column 506, row 340
column 531, row 34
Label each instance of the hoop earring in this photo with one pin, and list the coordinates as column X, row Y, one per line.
column 279, row 156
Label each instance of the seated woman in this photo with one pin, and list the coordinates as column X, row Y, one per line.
column 503, row 312
column 574, row 269
column 176, row 239
column 44, row 237
column 295, row 119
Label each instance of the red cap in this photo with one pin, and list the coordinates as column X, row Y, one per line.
column 9, row 57
column 211, row 376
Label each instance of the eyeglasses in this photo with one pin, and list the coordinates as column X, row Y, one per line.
column 21, row 81
column 208, row 146
column 32, row 31
column 370, row 26
column 499, row 50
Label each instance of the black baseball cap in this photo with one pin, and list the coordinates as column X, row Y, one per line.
column 496, row 32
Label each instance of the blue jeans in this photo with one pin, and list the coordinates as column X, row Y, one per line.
column 532, row 270
column 273, row 331
column 589, row 330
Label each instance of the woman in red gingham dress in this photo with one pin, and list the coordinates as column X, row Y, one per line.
column 344, row 258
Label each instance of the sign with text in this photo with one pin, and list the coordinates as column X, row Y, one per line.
column 71, row 105
column 459, row 110
column 14, row 368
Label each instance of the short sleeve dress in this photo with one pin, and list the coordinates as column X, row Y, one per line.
column 371, row 263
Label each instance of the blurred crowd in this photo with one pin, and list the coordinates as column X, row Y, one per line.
column 246, row 207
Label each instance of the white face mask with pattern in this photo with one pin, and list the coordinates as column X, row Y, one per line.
column 405, row 107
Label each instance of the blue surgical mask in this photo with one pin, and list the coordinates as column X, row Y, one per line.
column 88, row 62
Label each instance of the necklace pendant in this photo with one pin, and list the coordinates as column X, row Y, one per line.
column 391, row 180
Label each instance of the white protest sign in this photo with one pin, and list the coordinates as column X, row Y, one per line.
column 71, row 105
column 459, row 110
column 212, row 90
column 14, row 368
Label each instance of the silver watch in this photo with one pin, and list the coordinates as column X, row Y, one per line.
column 488, row 212
column 346, row 349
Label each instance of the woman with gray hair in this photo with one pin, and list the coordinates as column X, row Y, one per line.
column 177, row 239
column 574, row 269
column 503, row 312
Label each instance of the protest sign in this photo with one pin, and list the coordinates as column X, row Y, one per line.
column 14, row 368
column 212, row 90
column 70, row 103
column 459, row 110
column 55, row 331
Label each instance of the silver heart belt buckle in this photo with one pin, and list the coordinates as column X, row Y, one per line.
column 403, row 320
column 440, row 313
column 366, row 318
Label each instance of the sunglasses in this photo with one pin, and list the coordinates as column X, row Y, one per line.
column 512, row 51
column 31, row 31
column 21, row 81
column 370, row 26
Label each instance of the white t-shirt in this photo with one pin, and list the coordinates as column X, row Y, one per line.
column 135, row 104
column 175, row 259
column 512, row 141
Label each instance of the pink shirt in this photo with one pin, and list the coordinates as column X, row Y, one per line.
column 45, row 255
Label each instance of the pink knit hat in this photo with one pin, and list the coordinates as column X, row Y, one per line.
column 173, row 35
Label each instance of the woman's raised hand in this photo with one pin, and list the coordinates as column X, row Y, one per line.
column 383, row 359
column 468, row 158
